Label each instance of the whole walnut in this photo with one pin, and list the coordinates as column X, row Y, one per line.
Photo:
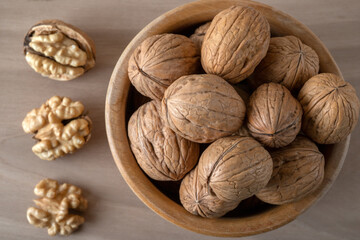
column 298, row 171
column 203, row 108
column 331, row 108
column 288, row 62
column 235, row 167
column 229, row 170
column 198, row 200
column 274, row 115
column 161, row 153
column 198, row 36
column 159, row 61
column 235, row 43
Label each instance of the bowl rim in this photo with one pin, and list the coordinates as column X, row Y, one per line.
column 115, row 107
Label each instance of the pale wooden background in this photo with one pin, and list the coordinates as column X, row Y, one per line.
column 114, row 211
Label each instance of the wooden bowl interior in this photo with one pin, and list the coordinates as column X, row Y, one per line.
column 252, row 216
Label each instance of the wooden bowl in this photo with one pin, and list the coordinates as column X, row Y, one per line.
column 122, row 100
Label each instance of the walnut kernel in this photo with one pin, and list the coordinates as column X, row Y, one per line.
column 59, row 126
column 54, row 204
column 58, row 50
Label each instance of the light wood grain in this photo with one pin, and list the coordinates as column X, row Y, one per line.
column 114, row 211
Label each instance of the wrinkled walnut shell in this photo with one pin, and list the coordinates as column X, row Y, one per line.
column 235, row 43
column 45, row 61
column 243, row 131
column 159, row 61
column 203, row 108
column 229, row 170
column 235, row 167
column 298, row 171
column 274, row 115
column 198, row 200
column 288, row 62
column 331, row 108
column 198, row 36
column 161, row 153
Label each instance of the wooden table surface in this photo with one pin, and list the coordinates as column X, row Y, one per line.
column 114, row 211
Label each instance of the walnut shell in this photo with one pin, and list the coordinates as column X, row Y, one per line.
column 235, row 167
column 243, row 90
column 159, row 61
column 288, row 62
column 162, row 154
column 243, row 131
column 298, row 171
column 274, row 115
column 331, row 108
column 196, row 198
column 203, row 108
column 229, row 170
column 235, row 43
column 198, row 36
column 59, row 50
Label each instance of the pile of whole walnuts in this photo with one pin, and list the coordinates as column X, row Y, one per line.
column 263, row 145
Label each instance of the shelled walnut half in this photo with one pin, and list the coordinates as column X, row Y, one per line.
column 59, row 50
column 54, row 204
column 60, row 127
